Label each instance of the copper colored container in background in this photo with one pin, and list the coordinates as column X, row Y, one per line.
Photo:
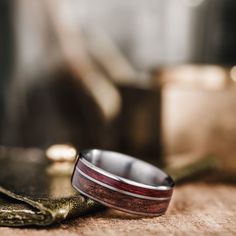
column 199, row 111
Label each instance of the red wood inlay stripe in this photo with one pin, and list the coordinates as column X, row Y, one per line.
column 122, row 185
column 116, row 199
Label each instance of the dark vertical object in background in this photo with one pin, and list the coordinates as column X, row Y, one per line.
column 6, row 45
column 140, row 123
column 227, row 47
column 216, row 21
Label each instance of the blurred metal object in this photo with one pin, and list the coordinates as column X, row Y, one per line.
column 62, row 157
column 61, row 153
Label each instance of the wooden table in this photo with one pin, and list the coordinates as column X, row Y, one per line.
column 203, row 209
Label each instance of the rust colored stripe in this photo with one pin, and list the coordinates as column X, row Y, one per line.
column 118, row 200
column 122, row 185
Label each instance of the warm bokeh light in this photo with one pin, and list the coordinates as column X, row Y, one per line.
column 61, row 152
column 210, row 77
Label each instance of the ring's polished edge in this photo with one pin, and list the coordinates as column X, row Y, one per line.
column 128, row 190
column 123, row 179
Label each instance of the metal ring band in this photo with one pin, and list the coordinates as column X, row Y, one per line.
column 122, row 182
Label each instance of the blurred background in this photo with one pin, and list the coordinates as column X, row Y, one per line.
column 151, row 78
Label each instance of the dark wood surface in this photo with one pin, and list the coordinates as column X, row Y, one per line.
column 196, row 209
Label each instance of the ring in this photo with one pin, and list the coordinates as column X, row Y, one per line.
column 122, row 182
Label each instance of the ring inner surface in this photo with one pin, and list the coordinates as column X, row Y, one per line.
column 128, row 168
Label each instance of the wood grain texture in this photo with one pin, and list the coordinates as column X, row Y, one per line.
column 122, row 201
column 122, row 185
column 196, row 209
